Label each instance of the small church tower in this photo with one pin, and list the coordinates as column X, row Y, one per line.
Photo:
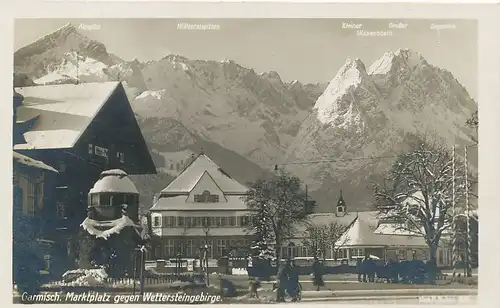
column 341, row 209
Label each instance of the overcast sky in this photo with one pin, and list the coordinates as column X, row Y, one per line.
column 309, row 50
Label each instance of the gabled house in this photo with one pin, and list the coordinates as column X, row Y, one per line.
column 202, row 206
column 81, row 130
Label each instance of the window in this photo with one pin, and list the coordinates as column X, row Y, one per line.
column 206, row 221
column 91, row 149
column 170, row 248
column 357, row 253
column 223, row 221
column 157, row 221
column 169, row 221
column 342, row 254
column 340, row 209
column 217, row 221
column 188, row 221
column 206, row 197
column 302, row 251
column 284, row 252
column 221, row 247
column 291, row 251
column 232, row 221
column 27, row 193
column 402, row 254
column 180, row 221
column 189, row 248
column 197, row 222
column 119, row 199
column 105, row 199
column 245, row 221
column 39, row 191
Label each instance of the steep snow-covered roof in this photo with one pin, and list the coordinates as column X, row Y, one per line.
column 25, row 160
column 65, row 111
column 185, row 182
column 114, row 180
column 327, row 218
column 366, row 233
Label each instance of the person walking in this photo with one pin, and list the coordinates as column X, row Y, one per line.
column 364, row 268
column 371, row 269
column 281, row 281
column 317, row 268
column 293, row 281
column 359, row 269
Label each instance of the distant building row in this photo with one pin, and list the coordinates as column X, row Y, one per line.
column 204, row 206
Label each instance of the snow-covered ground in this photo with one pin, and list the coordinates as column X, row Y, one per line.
column 84, row 277
column 239, row 272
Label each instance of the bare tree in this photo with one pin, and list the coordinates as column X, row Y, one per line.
column 417, row 193
column 277, row 208
column 320, row 238
column 473, row 122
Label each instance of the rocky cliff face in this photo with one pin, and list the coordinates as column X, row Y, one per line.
column 366, row 117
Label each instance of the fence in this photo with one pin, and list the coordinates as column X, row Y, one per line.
column 148, row 280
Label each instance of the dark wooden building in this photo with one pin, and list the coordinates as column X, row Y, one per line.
column 81, row 130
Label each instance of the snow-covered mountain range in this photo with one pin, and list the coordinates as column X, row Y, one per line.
column 367, row 116
column 247, row 121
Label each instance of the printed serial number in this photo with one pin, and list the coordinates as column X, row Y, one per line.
column 442, row 299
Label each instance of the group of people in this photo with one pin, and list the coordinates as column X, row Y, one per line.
column 413, row 271
column 288, row 279
column 366, row 269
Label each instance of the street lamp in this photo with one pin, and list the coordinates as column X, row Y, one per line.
column 141, row 251
column 178, row 264
column 205, row 257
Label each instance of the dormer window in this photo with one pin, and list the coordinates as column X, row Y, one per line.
column 206, row 197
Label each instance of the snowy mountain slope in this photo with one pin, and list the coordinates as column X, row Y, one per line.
column 66, row 55
column 219, row 101
column 222, row 101
column 36, row 58
column 371, row 113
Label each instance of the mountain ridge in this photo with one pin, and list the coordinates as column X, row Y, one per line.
column 258, row 120
column 374, row 113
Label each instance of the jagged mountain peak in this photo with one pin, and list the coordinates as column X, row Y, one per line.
column 372, row 114
column 348, row 77
column 175, row 57
column 39, row 58
column 390, row 62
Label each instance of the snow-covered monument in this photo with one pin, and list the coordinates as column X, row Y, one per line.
column 112, row 230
